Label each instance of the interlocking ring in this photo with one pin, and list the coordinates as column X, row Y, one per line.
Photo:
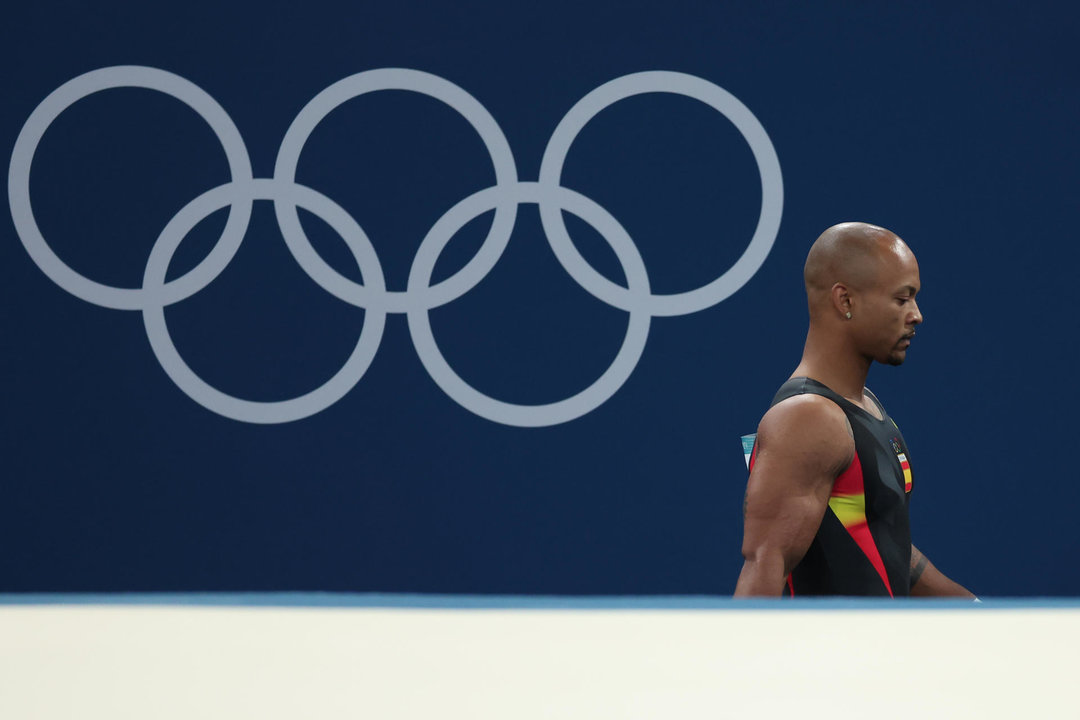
column 61, row 99
column 420, row 296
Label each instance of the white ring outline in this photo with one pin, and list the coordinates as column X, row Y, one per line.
column 585, row 401
column 198, row 389
column 61, row 99
column 464, row 104
column 772, row 191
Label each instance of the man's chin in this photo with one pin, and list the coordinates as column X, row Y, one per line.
column 896, row 358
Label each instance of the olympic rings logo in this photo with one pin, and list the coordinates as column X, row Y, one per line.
column 420, row 295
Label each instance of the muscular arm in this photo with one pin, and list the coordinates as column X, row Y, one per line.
column 803, row 444
column 928, row 581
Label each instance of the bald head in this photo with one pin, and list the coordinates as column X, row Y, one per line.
column 861, row 283
column 850, row 253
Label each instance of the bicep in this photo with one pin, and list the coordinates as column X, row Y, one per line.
column 783, row 510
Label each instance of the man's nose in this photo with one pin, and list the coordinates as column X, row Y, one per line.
column 916, row 315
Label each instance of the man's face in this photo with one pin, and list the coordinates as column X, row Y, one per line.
column 887, row 311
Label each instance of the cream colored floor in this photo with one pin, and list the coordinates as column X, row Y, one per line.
column 151, row 662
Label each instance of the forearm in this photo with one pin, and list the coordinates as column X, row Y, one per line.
column 761, row 576
column 928, row 581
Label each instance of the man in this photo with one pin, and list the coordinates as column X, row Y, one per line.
column 826, row 509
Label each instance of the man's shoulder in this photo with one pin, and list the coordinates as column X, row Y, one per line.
column 805, row 409
column 808, row 425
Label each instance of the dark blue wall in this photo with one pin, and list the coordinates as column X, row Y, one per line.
column 953, row 124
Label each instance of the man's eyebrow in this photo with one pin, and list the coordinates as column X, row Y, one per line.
column 909, row 290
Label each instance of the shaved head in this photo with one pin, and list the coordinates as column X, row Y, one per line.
column 851, row 253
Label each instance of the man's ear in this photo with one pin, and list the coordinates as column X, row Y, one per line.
column 841, row 299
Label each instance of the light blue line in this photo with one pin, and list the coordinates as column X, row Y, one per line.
column 523, row 602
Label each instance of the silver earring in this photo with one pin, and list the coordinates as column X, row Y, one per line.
column 848, row 315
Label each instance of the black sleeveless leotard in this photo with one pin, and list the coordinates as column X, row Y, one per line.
column 863, row 546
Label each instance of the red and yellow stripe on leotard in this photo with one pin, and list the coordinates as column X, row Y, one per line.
column 848, row 503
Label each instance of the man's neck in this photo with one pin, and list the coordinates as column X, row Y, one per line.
column 835, row 366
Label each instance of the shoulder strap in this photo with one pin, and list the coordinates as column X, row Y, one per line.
column 807, row 386
column 880, row 407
